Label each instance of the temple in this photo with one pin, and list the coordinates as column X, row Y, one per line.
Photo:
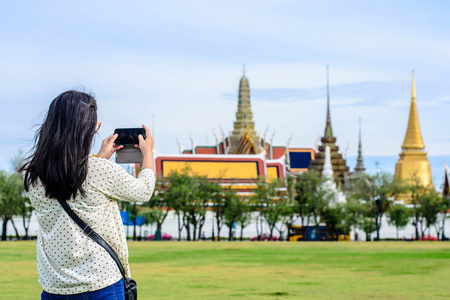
column 241, row 158
column 340, row 168
column 413, row 162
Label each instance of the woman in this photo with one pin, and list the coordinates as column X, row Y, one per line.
column 60, row 169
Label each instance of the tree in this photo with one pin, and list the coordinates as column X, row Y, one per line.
column 11, row 196
column 288, row 217
column 258, row 202
column 25, row 209
column 307, row 197
column 368, row 226
column 419, row 199
column 245, row 218
column 445, row 207
column 177, row 190
column 219, row 205
column 334, row 217
column 275, row 206
column 353, row 214
column 207, row 193
column 398, row 216
column 431, row 205
column 196, row 205
column 190, row 204
column 233, row 210
column 318, row 203
column 376, row 193
column 157, row 208
column 22, row 201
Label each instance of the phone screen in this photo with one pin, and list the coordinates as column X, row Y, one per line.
column 128, row 136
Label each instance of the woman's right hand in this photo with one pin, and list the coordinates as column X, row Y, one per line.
column 146, row 145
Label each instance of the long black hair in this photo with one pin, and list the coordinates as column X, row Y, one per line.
column 62, row 145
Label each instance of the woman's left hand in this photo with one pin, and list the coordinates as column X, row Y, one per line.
column 108, row 148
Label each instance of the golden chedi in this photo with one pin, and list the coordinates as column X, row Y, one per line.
column 413, row 162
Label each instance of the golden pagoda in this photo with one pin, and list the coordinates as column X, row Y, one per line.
column 413, row 161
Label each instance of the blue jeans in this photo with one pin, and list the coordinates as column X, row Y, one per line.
column 112, row 292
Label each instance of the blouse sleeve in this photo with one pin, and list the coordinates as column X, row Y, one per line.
column 122, row 186
column 128, row 188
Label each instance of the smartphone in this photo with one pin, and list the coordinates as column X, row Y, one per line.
column 129, row 136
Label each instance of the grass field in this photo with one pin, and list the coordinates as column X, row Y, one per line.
column 206, row 270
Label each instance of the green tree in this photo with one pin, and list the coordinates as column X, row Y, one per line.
column 11, row 197
column 353, row 214
column 25, row 207
column 157, row 208
column 245, row 217
column 367, row 225
column 287, row 218
column 431, row 206
column 305, row 187
column 318, row 203
column 177, row 192
column 208, row 192
column 219, row 205
column 258, row 202
column 376, row 193
column 190, row 196
column 193, row 206
column 275, row 207
column 398, row 216
column 333, row 216
column 421, row 198
column 445, row 208
column 233, row 210
column 308, row 198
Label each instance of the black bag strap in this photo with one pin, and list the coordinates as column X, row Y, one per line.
column 87, row 230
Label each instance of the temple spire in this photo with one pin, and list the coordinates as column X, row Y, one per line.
column 360, row 168
column 413, row 164
column 339, row 163
column 244, row 124
column 328, row 129
column 413, row 138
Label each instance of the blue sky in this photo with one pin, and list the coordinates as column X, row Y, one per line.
column 182, row 61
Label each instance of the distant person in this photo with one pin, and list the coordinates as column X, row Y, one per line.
column 70, row 264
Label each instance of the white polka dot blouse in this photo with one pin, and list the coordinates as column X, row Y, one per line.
column 68, row 261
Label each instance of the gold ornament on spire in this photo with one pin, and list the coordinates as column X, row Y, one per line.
column 246, row 145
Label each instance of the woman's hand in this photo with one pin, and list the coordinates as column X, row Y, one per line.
column 146, row 145
column 108, row 148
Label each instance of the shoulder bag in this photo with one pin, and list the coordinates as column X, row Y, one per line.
column 130, row 285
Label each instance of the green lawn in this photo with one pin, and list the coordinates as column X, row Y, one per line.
column 246, row 270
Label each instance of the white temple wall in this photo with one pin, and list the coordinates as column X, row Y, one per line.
column 170, row 226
